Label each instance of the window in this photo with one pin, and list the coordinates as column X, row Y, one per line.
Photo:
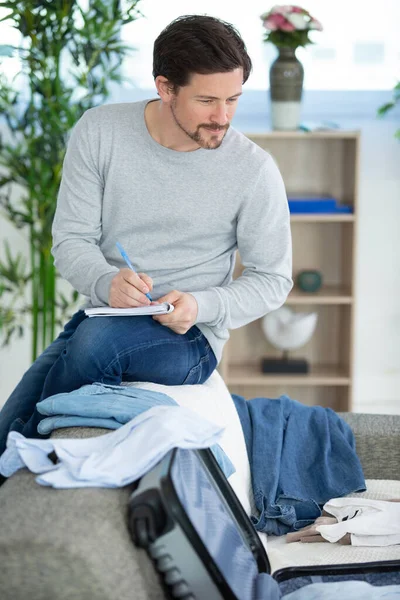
column 350, row 70
column 359, row 48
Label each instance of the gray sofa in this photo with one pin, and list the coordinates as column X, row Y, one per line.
column 64, row 544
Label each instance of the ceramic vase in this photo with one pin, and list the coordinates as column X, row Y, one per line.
column 286, row 77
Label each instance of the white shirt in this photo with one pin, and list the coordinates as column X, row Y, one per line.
column 370, row 522
column 114, row 459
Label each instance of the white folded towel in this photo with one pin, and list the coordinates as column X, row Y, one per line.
column 370, row 522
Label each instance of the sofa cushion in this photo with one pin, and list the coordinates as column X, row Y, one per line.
column 377, row 443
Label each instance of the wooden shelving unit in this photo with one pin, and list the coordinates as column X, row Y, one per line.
column 329, row 294
column 319, row 375
column 323, row 163
column 322, row 218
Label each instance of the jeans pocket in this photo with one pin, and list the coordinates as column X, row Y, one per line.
column 194, row 375
column 201, row 372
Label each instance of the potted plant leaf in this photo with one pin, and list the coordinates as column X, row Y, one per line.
column 70, row 54
column 385, row 108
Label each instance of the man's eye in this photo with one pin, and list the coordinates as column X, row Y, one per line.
column 232, row 100
column 206, row 101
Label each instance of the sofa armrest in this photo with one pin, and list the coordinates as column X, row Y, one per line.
column 73, row 543
column 377, row 443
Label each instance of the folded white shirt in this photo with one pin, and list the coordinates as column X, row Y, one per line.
column 370, row 522
column 114, row 459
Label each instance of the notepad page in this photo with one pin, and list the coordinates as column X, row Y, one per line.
column 107, row 311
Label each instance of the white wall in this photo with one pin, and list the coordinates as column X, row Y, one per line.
column 377, row 322
column 377, row 343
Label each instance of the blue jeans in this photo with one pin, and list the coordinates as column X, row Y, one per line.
column 107, row 350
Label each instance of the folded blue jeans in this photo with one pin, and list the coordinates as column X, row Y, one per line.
column 106, row 350
column 110, row 407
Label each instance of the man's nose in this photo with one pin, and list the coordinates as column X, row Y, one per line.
column 220, row 114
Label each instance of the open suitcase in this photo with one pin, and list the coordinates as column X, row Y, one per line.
column 204, row 546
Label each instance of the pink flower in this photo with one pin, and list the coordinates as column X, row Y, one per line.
column 281, row 9
column 289, row 17
column 286, row 26
column 270, row 24
column 277, row 21
column 281, row 23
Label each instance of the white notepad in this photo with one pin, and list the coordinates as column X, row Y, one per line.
column 107, row 311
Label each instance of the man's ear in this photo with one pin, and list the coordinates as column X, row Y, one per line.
column 165, row 89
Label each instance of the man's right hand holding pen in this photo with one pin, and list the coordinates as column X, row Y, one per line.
column 128, row 289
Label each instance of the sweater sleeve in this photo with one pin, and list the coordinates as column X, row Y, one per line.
column 77, row 223
column 265, row 248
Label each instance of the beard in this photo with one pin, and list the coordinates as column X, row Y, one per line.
column 210, row 144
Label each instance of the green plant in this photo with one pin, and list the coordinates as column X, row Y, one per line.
column 70, row 54
column 382, row 110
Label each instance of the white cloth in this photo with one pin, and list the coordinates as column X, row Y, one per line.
column 282, row 555
column 212, row 401
column 114, row 459
column 370, row 522
column 348, row 590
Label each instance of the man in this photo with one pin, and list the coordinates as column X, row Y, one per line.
column 180, row 190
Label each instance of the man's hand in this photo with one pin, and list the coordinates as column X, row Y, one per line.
column 128, row 289
column 184, row 314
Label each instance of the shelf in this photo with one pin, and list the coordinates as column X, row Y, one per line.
column 251, row 374
column 340, row 134
column 329, row 294
column 313, row 164
column 322, row 218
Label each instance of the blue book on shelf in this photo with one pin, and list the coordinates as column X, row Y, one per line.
column 313, row 204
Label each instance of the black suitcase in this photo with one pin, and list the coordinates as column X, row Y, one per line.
column 204, row 546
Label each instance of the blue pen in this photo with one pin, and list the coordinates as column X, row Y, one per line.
column 128, row 262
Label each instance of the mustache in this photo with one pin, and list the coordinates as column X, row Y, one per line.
column 214, row 127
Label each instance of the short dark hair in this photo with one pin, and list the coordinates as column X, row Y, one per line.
column 198, row 44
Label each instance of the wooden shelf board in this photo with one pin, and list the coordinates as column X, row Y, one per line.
column 322, row 218
column 345, row 134
column 250, row 374
column 329, row 294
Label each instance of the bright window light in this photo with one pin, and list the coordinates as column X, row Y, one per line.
column 359, row 48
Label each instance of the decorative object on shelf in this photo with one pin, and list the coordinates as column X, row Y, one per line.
column 287, row 330
column 316, row 204
column 287, row 28
column 309, row 126
column 309, row 280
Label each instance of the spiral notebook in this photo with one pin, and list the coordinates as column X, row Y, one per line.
column 107, row 311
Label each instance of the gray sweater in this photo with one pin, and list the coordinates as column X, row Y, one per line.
column 180, row 216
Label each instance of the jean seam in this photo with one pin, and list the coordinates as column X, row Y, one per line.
column 150, row 345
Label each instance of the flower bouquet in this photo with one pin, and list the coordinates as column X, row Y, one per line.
column 288, row 26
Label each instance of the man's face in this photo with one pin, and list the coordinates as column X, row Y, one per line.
column 204, row 108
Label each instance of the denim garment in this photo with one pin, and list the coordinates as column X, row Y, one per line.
column 107, row 350
column 114, row 459
column 300, row 457
column 108, row 406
